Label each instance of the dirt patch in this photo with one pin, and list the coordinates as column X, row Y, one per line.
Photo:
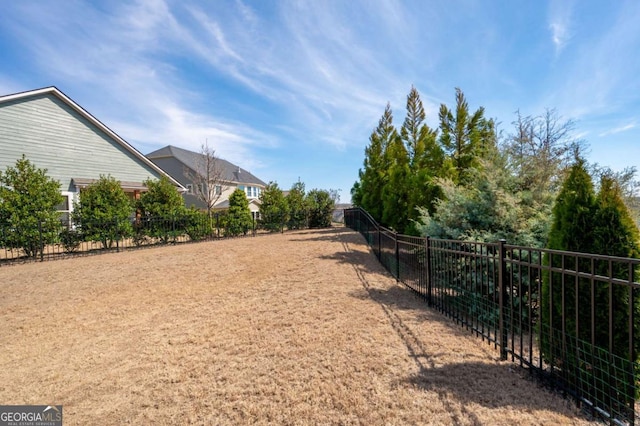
column 297, row 328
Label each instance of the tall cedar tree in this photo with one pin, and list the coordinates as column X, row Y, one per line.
column 28, row 200
column 273, row 208
column 374, row 177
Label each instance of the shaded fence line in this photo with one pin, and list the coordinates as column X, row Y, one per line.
column 569, row 318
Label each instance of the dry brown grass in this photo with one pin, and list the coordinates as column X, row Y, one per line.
column 300, row 328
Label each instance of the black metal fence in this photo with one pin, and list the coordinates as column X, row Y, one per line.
column 572, row 319
column 58, row 239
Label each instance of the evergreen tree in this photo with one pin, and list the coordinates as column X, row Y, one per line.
column 28, row 200
column 583, row 222
column 273, row 208
column 321, row 206
column 465, row 137
column 374, row 177
column 238, row 218
column 103, row 211
column 615, row 234
column 425, row 160
column 161, row 200
column 162, row 209
column 395, row 193
column 297, row 207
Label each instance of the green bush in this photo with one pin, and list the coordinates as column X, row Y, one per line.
column 70, row 240
column 198, row 225
column 103, row 211
column 28, row 213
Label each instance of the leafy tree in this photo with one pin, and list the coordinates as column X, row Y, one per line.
column 374, row 177
column 103, row 211
column 28, row 200
column 297, row 207
column 161, row 209
column 321, row 206
column 273, row 208
column 238, row 218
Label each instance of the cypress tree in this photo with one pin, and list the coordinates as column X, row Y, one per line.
column 425, row 161
column 374, row 177
column 581, row 306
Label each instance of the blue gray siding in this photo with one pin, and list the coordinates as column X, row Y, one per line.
column 55, row 137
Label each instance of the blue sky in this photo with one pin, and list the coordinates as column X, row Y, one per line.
column 292, row 89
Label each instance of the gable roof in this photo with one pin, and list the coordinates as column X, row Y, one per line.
column 52, row 90
column 230, row 172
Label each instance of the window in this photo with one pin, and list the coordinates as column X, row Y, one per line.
column 218, row 190
column 65, row 207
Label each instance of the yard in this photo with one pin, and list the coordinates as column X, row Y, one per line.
column 298, row 328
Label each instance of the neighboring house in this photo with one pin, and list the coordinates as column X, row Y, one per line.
column 181, row 163
column 57, row 134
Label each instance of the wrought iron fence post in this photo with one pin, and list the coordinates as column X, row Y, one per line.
column 395, row 239
column 502, row 295
column 379, row 252
column 41, row 242
column 632, row 363
column 427, row 267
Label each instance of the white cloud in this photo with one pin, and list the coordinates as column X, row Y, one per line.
column 619, row 129
column 560, row 23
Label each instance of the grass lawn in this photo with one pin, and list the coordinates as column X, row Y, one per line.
column 297, row 328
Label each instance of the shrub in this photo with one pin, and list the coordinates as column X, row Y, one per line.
column 102, row 212
column 28, row 200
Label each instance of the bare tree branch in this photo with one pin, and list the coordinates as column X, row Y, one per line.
column 208, row 177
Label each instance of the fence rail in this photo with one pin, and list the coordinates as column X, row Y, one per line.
column 52, row 241
column 569, row 318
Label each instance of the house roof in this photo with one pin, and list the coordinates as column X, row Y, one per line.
column 230, row 172
column 52, row 90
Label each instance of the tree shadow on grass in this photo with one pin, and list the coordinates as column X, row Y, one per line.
column 488, row 382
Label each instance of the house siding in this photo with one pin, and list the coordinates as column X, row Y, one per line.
column 55, row 137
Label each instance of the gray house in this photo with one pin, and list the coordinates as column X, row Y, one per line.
column 183, row 164
column 57, row 134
